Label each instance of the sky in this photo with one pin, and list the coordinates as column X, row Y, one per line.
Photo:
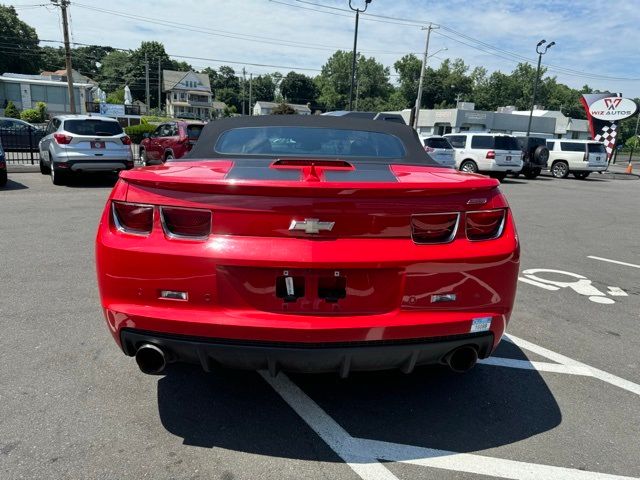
column 596, row 44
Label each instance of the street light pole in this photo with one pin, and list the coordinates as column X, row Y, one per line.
column 535, row 84
column 355, row 47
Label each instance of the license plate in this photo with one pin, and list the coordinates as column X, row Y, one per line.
column 97, row 145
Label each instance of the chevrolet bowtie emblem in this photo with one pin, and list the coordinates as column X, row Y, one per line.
column 311, row 225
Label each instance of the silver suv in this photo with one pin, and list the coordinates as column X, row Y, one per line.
column 83, row 143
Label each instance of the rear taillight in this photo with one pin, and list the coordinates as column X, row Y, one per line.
column 133, row 218
column 3, row 165
column 126, row 140
column 62, row 139
column 186, row 223
column 491, row 154
column 429, row 149
column 485, row 224
column 434, row 227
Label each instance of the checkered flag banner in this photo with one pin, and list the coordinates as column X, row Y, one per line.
column 608, row 136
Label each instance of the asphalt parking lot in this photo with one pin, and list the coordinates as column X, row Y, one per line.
column 560, row 399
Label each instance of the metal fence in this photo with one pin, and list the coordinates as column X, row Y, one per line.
column 21, row 144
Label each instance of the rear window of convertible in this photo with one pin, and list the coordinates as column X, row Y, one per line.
column 306, row 141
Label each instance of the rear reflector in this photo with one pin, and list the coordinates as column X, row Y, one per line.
column 133, row 218
column 434, row 227
column 187, row 223
column 485, row 224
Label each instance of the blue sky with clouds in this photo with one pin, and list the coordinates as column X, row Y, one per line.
column 594, row 41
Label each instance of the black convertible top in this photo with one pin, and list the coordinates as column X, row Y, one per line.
column 204, row 147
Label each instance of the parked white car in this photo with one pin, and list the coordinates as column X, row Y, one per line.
column 579, row 157
column 83, row 143
column 491, row 153
column 440, row 150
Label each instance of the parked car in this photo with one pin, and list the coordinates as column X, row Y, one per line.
column 578, row 157
column 170, row 140
column 83, row 143
column 535, row 156
column 3, row 167
column 440, row 150
column 491, row 153
column 345, row 248
column 19, row 136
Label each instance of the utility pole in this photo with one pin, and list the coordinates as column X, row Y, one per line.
column 250, row 93
column 63, row 4
column 357, row 93
column 355, row 48
column 159, row 86
column 422, row 72
column 244, row 80
column 146, row 81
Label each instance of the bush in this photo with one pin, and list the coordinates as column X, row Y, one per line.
column 136, row 132
column 11, row 111
column 31, row 115
column 283, row 109
column 154, row 119
column 42, row 110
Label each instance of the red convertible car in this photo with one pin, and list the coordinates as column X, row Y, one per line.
column 306, row 244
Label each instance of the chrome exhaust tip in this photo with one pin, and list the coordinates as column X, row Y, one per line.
column 150, row 359
column 462, row 359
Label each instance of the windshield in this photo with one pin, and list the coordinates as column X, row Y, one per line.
column 309, row 141
column 437, row 143
column 596, row 148
column 506, row 143
column 96, row 127
column 194, row 131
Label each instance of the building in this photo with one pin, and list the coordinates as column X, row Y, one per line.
column 265, row 108
column 544, row 123
column 25, row 91
column 188, row 95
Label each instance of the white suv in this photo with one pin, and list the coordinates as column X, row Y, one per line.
column 440, row 150
column 83, row 143
column 579, row 157
column 495, row 154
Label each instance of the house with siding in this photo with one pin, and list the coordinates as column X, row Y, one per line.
column 188, row 95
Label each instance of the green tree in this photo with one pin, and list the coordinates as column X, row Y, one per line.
column 263, row 88
column 114, row 71
column 11, row 111
column 335, row 79
column 41, row 107
column 23, row 57
column 408, row 70
column 298, row 88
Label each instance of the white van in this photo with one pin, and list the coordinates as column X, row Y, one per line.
column 495, row 154
column 579, row 157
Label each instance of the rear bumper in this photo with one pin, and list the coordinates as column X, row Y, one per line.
column 98, row 165
column 307, row 358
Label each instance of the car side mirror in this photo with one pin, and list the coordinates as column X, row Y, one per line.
column 145, row 135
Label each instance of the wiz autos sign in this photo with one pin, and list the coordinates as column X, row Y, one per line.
column 604, row 112
column 612, row 108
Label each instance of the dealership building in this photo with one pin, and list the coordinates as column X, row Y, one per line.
column 465, row 118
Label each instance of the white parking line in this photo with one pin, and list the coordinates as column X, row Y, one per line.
column 478, row 464
column 363, row 455
column 613, row 261
column 539, row 366
column 594, row 372
column 365, row 465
